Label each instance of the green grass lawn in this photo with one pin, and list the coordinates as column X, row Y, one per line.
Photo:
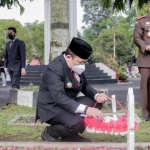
column 17, row 133
column 33, row 133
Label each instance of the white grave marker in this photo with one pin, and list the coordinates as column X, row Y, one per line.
column 114, row 106
column 130, row 135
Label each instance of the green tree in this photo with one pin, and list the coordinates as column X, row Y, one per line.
column 123, row 27
column 35, row 40
column 131, row 17
column 10, row 3
column 104, row 43
column 94, row 13
column 88, row 35
column 121, row 4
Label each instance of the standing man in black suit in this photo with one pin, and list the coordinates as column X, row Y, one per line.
column 58, row 104
column 15, row 58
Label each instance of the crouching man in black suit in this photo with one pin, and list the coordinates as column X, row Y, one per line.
column 58, row 104
column 15, row 58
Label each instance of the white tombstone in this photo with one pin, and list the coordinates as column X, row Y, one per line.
column 131, row 120
column 114, row 106
column 25, row 98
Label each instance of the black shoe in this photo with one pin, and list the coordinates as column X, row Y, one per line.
column 75, row 138
column 47, row 137
column 146, row 118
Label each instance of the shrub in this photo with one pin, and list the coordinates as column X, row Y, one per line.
column 111, row 62
column 122, row 75
column 31, row 88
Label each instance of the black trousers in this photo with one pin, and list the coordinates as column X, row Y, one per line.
column 68, row 124
column 15, row 78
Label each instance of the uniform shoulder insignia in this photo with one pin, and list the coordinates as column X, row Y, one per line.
column 141, row 17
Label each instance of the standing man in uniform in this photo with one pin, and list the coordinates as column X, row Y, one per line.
column 142, row 41
column 15, row 58
column 58, row 104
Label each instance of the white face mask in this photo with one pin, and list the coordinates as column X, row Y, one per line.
column 78, row 68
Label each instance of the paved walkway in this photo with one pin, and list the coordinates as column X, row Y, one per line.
column 70, row 144
column 120, row 90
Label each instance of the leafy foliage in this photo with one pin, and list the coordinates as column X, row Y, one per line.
column 143, row 10
column 115, row 34
column 10, row 3
column 120, row 4
column 121, row 75
column 94, row 13
column 35, row 40
column 103, row 44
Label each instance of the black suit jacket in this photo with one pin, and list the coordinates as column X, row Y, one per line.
column 15, row 59
column 54, row 94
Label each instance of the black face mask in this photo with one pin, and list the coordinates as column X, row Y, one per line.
column 10, row 36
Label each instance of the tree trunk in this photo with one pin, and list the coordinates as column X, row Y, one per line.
column 59, row 27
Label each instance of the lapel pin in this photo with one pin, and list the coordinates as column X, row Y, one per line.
column 69, row 85
column 148, row 34
column 147, row 23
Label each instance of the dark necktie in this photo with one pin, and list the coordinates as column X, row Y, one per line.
column 76, row 78
column 11, row 45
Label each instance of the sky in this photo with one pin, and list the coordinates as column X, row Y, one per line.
column 34, row 11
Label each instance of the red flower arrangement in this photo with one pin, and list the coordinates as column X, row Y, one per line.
column 109, row 125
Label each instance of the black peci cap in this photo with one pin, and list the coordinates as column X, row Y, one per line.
column 80, row 48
